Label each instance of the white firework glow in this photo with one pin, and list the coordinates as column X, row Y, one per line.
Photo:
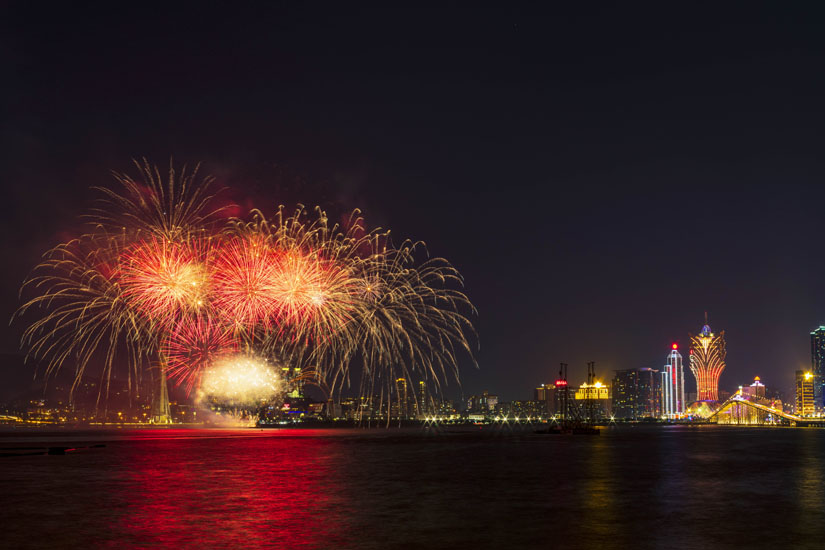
column 240, row 381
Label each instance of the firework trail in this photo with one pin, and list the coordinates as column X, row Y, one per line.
column 84, row 313
column 160, row 277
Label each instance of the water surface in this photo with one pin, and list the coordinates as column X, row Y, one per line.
column 644, row 487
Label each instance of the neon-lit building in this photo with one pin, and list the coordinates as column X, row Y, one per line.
column 673, row 385
column 707, row 361
column 597, row 396
column 755, row 391
column 818, row 366
column 804, row 393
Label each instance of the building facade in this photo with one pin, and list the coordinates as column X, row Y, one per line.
column 673, row 385
column 804, row 393
column 546, row 395
column 650, row 393
column 636, row 394
column 625, row 386
column 482, row 404
column 424, row 404
column 707, row 361
column 592, row 401
column 564, row 400
column 818, row 366
column 755, row 391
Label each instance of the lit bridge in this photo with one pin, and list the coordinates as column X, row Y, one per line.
column 738, row 410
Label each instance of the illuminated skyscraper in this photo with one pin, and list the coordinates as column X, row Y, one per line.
column 818, row 366
column 673, row 385
column 637, row 394
column 804, row 393
column 650, row 393
column 626, row 400
column 423, row 401
column 401, row 395
column 707, row 361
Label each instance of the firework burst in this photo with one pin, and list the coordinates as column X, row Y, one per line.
column 159, row 277
column 163, row 278
column 193, row 345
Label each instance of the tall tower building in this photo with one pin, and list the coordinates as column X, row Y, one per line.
column 707, row 361
column 401, row 394
column 545, row 395
column 423, row 400
column 804, row 393
column 650, row 393
column 626, row 400
column 673, row 385
column 818, row 366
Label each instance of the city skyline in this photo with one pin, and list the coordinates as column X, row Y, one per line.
column 20, row 378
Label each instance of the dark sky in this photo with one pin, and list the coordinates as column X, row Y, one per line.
column 600, row 175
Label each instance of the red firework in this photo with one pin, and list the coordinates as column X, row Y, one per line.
column 245, row 270
column 193, row 345
column 164, row 278
column 312, row 295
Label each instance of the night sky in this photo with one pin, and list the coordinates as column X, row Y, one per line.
column 601, row 176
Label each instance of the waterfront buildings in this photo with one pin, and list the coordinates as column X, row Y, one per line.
column 650, row 393
column 673, row 385
column 755, row 391
column 636, row 394
column 804, row 393
column 563, row 399
column 424, row 405
column 707, row 361
column 521, row 410
column 483, row 403
column 592, row 401
column 818, row 366
column 401, row 407
column 546, row 395
column 625, row 394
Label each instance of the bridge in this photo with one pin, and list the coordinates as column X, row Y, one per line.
column 739, row 411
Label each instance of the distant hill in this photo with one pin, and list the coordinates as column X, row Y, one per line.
column 16, row 377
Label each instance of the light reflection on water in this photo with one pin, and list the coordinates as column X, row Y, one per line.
column 672, row 487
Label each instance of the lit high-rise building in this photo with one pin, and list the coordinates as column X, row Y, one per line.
column 818, row 366
column 650, row 393
column 636, row 394
column 545, row 395
column 707, row 361
column 401, row 395
column 804, row 393
column 625, row 387
column 423, row 400
column 673, row 385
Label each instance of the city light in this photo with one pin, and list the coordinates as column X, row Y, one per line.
column 707, row 361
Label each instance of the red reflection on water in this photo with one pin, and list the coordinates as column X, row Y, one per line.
column 230, row 489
